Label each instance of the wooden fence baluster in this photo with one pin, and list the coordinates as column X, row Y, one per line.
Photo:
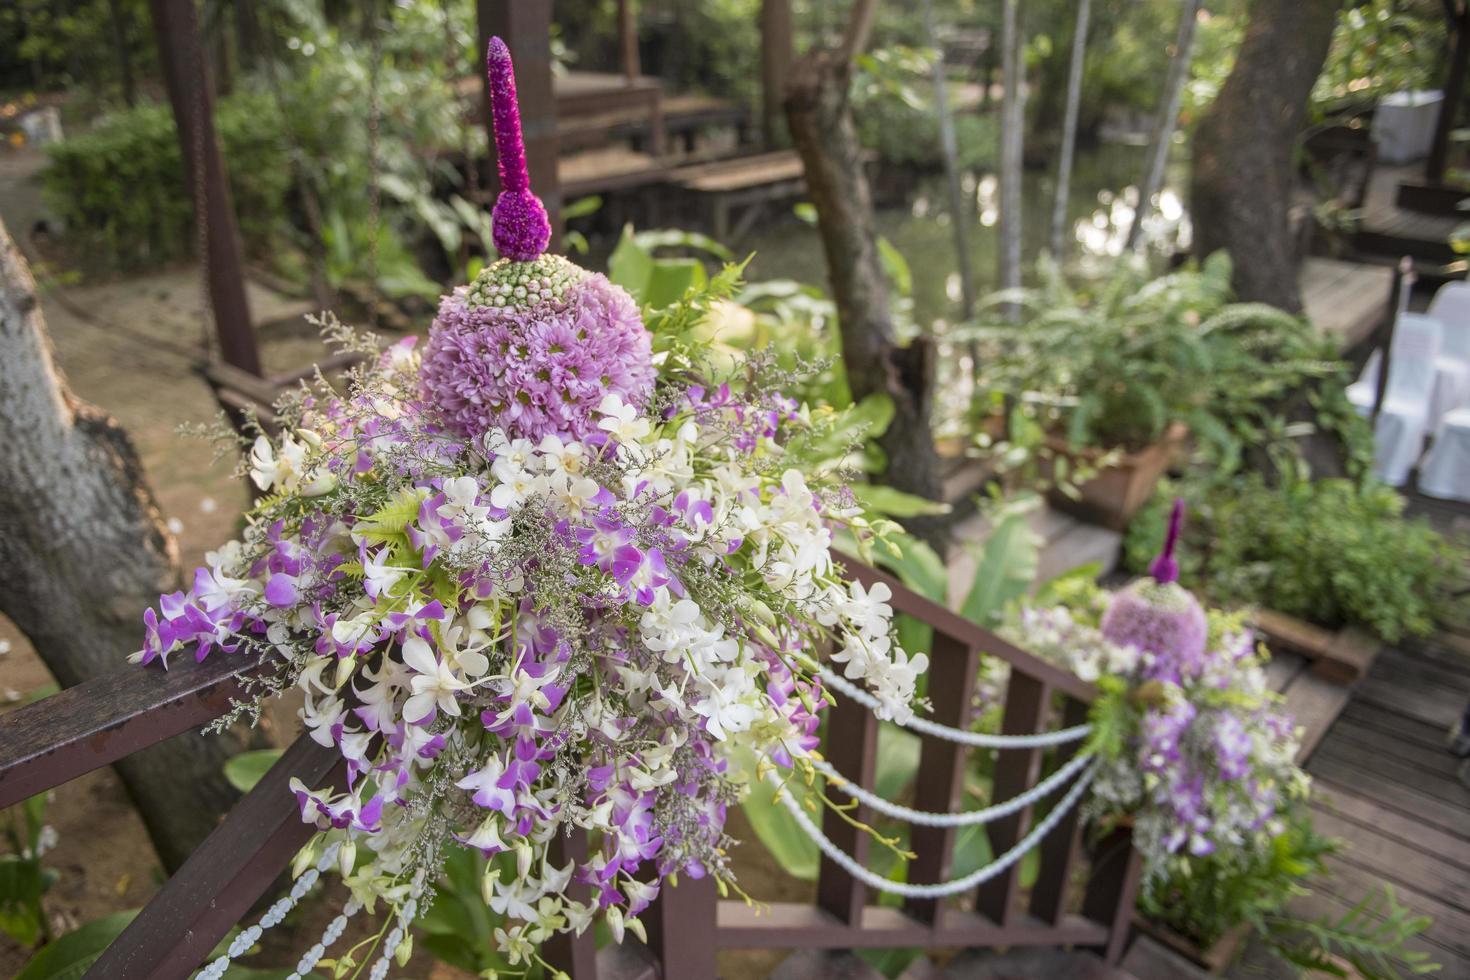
column 681, row 929
column 941, row 779
column 1059, row 848
column 852, row 749
column 1112, row 889
column 573, row 954
column 1016, row 771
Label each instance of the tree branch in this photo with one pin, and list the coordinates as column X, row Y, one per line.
column 859, row 29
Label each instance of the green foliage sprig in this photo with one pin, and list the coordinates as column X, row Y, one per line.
column 1333, row 552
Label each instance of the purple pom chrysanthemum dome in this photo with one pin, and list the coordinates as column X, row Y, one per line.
column 535, row 343
column 1159, row 616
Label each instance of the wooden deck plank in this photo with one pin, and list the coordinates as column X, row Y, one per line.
column 1395, row 787
column 1437, row 708
column 1282, row 668
column 1344, row 299
column 1353, row 737
column 1315, row 703
column 1397, row 862
column 1400, row 728
column 1371, row 818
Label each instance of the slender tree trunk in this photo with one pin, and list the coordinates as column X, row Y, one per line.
column 120, row 49
column 959, row 210
column 1167, row 119
column 1069, row 131
column 820, row 119
column 1012, row 137
column 1245, row 148
column 83, row 550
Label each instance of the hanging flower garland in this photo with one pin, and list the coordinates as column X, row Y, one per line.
column 529, row 581
column 1193, row 746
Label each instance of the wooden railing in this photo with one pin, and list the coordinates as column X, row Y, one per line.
column 96, row 723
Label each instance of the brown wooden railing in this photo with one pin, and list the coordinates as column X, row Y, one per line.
column 1073, row 902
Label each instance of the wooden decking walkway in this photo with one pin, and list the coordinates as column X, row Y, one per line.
column 1385, row 785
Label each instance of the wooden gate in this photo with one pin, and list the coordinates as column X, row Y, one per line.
column 1073, row 902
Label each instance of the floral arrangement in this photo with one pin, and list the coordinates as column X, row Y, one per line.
column 1193, row 745
column 535, row 577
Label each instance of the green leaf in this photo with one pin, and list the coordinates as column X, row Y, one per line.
column 69, row 957
column 896, row 267
column 630, row 265
column 895, row 503
column 581, row 207
column 670, row 279
column 794, row 851
column 898, row 761
column 1006, row 568
column 918, row 567
column 243, row 771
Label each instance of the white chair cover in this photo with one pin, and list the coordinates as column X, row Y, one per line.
column 1451, row 307
column 1403, row 418
column 1445, row 471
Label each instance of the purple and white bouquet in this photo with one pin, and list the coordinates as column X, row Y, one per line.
column 1193, row 745
column 531, row 577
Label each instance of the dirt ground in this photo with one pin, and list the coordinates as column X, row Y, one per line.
column 132, row 347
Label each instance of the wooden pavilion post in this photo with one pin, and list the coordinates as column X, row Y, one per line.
column 777, row 52
column 1454, row 94
column 525, row 26
column 628, row 39
column 186, row 73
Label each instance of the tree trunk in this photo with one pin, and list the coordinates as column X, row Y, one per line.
column 1245, row 147
column 1069, row 131
column 83, row 550
column 820, row 119
column 1167, row 119
column 959, row 209
column 1012, row 137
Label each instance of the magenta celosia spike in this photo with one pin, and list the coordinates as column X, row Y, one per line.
column 521, row 228
column 1164, row 568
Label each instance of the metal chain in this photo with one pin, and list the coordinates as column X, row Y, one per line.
column 375, row 194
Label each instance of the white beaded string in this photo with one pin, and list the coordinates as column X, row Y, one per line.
column 406, row 916
column 273, row 917
column 977, row 739
column 971, row 818
column 944, row 889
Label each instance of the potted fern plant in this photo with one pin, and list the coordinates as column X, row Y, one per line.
column 1119, row 373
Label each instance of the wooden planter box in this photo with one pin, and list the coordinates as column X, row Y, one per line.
column 1215, row 960
column 1343, row 657
column 1117, row 493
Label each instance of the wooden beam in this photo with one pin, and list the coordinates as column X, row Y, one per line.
column 186, row 73
column 1454, row 94
column 99, row 721
column 777, row 53
column 220, row 882
column 628, row 39
column 525, row 26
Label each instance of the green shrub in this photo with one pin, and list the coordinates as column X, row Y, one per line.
column 119, row 188
column 893, row 105
column 1332, row 552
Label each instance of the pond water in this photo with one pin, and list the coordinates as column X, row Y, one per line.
column 1100, row 209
